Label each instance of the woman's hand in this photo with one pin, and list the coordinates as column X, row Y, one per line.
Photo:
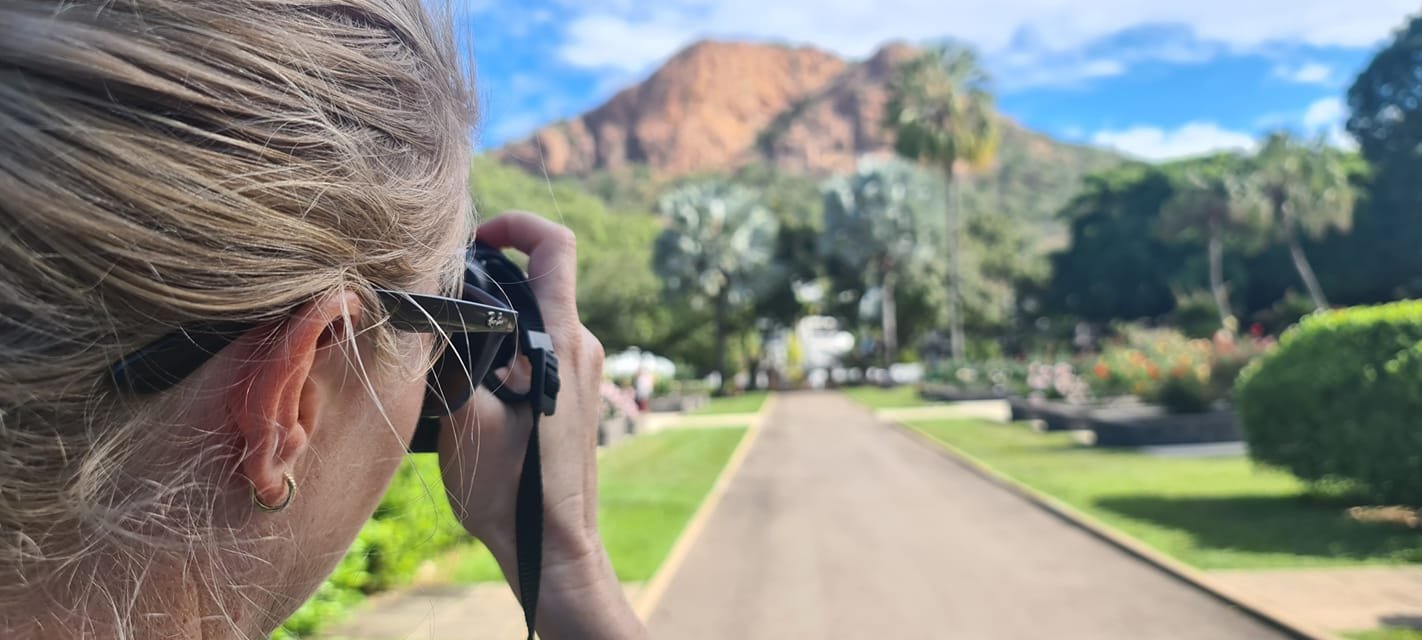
column 482, row 448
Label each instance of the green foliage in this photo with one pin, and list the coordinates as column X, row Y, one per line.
column 1138, row 235
column 1211, row 201
column 1117, row 266
column 716, row 252
column 1163, row 366
column 1031, row 179
column 718, row 242
column 412, row 525
column 994, row 375
column 1301, row 187
column 1386, row 633
column 1184, row 394
column 1339, row 399
column 618, row 295
column 880, row 226
column 883, row 219
column 1195, row 314
column 1285, row 313
column 1379, row 260
column 1300, row 190
column 940, row 109
column 1210, row 513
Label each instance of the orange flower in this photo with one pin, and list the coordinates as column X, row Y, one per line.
column 1101, row 370
column 1153, row 371
column 1179, row 371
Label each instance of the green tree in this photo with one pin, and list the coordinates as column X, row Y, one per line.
column 1386, row 119
column 715, row 251
column 1117, row 266
column 1209, row 199
column 878, row 221
column 618, row 295
column 1302, row 188
column 940, row 109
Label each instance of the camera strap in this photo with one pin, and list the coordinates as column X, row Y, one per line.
column 535, row 344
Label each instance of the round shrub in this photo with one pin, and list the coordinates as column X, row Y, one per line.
column 1184, row 394
column 1340, row 399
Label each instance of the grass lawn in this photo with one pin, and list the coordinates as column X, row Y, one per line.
column 891, row 398
column 1212, row 513
column 748, row 402
column 1391, row 633
column 648, row 488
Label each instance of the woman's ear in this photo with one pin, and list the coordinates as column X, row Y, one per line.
column 282, row 390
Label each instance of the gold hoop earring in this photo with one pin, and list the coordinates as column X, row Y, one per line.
column 290, row 492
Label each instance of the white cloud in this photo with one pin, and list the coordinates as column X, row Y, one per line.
column 1322, row 113
column 1192, row 139
column 1037, row 73
column 1306, row 73
column 610, row 42
column 633, row 35
column 1326, row 117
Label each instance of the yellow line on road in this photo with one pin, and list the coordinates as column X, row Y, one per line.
column 651, row 595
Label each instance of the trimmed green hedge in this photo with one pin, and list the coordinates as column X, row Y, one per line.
column 412, row 524
column 1341, row 398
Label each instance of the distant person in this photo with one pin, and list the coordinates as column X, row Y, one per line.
column 644, row 384
column 256, row 168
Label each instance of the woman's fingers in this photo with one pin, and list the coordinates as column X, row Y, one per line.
column 552, row 258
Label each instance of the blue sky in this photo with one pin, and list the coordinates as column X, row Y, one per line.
column 1152, row 78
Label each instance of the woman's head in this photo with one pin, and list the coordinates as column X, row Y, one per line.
column 175, row 162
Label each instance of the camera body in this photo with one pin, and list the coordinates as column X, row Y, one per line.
column 490, row 277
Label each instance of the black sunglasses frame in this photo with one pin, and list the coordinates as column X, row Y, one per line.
column 172, row 358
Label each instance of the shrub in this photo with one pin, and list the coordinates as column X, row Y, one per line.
column 1340, row 399
column 412, row 524
column 1184, row 394
column 1056, row 381
column 1196, row 314
column 1165, row 367
column 1002, row 376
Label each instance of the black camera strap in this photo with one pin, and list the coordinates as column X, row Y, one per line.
column 535, row 344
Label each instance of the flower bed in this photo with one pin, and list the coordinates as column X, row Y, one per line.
column 1161, row 366
column 964, row 382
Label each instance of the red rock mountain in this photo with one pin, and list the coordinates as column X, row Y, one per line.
column 719, row 105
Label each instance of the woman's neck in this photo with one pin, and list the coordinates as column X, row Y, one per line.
column 172, row 603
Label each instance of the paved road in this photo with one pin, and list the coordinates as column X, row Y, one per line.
column 837, row 527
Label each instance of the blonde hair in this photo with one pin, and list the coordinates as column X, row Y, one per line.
column 171, row 162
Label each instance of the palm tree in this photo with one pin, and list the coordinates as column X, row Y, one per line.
column 716, row 249
column 1302, row 187
column 940, row 109
column 877, row 220
column 1212, row 199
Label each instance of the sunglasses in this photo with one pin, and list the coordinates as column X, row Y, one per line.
column 475, row 326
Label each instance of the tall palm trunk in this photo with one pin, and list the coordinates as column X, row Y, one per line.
column 1217, row 284
column 955, row 264
column 752, row 361
column 723, row 302
column 1296, row 252
column 889, row 315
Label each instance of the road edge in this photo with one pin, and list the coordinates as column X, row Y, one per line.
column 1069, row 514
column 654, row 589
